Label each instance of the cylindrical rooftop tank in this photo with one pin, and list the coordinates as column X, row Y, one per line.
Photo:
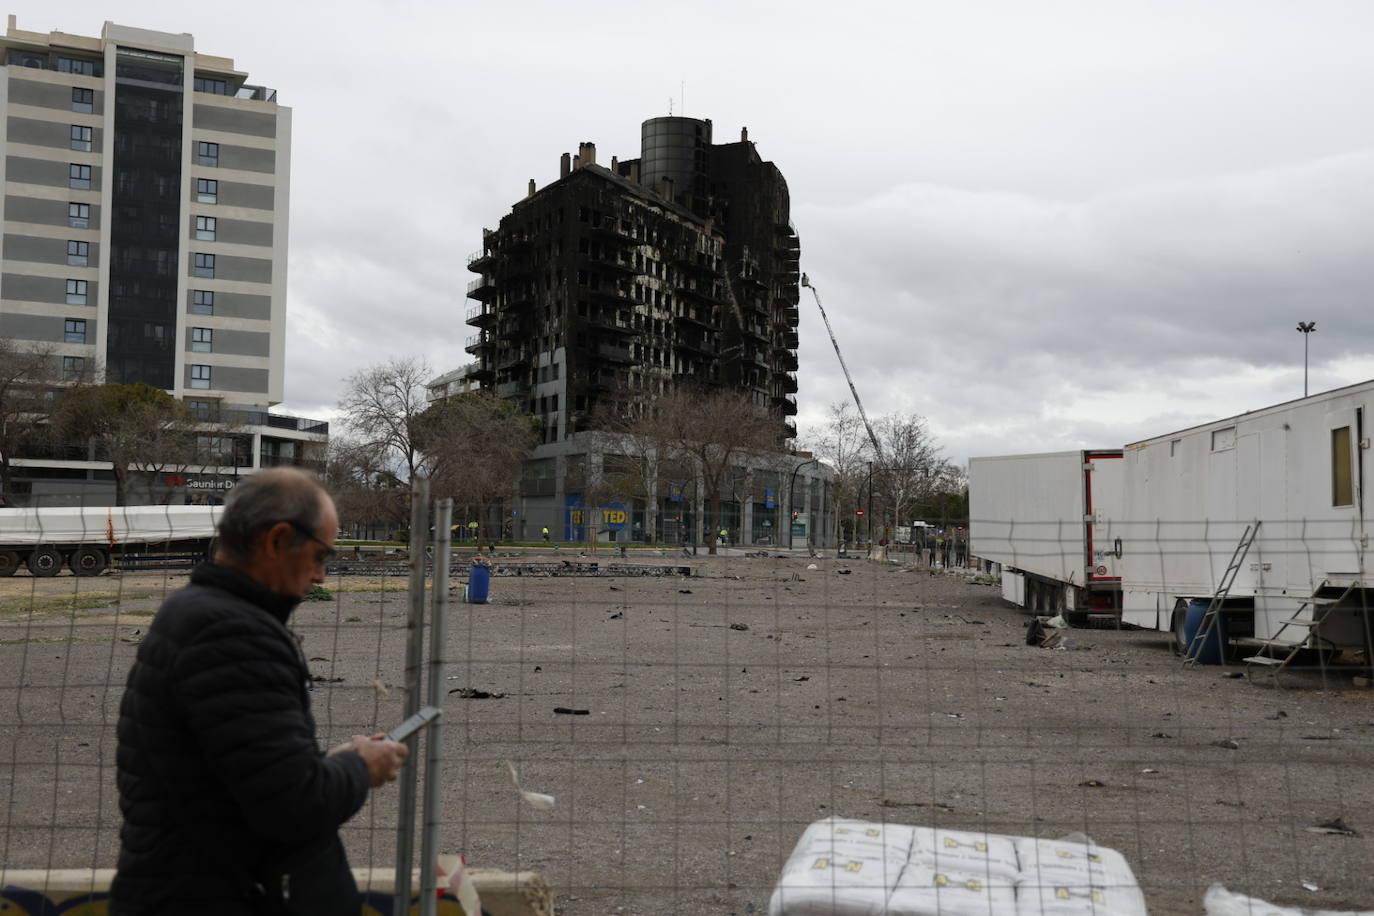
column 675, row 148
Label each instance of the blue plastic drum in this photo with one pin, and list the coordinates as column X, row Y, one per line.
column 1209, row 651
column 479, row 581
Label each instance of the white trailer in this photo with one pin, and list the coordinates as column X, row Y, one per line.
column 1049, row 521
column 1297, row 471
column 88, row 540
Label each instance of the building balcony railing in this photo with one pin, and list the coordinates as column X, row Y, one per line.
column 612, row 294
column 612, row 228
column 510, row 389
column 610, row 262
column 786, row 404
column 709, row 320
column 695, row 344
column 790, row 340
column 787, row 360
column 786, row 228
column 481, row 315
column 610, row 324
column 476, row 342
column 790, row 429
column 705, row 295
column 255, row 416
column 789, row 383
column 480, row 259
column 483, row 288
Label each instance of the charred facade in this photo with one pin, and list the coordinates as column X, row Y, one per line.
column 605, row 288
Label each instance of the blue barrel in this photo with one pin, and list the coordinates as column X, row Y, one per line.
column 479, row 580
column 1209, row 651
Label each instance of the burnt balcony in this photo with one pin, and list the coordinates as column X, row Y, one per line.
column 609, row 323
column 696, row 292
column 614, row 353
column 481, row 316
column 516, row 242
column 510, row 389
column 482, row 289
column 694, row 343
column 480, row 260
column 513, row 358
column 698, row 318
column 786, row 405
column 613, row 229
column 755, row 332
column 611, row 293
column 791, row 316
column 789, row 339
column 482, row 374
column 696, row 263
column 786, row 360
column 789, row 429
column 513, row 330
column 784, row 229
column 789, row 383
column 477, row 342
column 610, row 261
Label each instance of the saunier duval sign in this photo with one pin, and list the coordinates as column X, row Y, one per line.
column 201, row 483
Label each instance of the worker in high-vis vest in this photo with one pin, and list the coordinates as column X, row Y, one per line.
column 546, row 534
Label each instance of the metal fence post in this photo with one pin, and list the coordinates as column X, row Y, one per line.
column 415, row 635
column 429, row 835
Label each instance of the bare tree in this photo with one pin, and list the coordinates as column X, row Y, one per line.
column 713, row 433
column 365, row 488
column 382, row 406
column 472, row 447
column 26, row 376
column 844, row 445
column 914, row 469
column 138, row 427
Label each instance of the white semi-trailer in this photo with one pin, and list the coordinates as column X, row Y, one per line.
column 89, row 540
column 1049, row 521
column 1296, row 471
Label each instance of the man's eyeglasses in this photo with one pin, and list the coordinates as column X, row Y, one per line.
column 329, row 552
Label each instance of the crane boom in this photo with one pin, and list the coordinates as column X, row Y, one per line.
column 863, row 415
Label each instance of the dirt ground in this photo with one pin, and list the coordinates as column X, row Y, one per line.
column 690, row 728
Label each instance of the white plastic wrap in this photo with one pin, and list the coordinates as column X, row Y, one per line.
column 856, row 868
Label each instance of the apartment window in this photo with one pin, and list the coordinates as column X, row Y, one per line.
column 1342, row 467
column 202, row 302
column 79, row 216
column 202, row 340
column 72, row 65
column 201, row 410
column 200, row 376
column 74, row 331
column 205, row 265
column 83, row 100
column 78, row 253
column 76, row 292
column 79, row 177
column 215, row 87
column 205, row 228
column 207, row 153
column 81, row 138
column 72, row 367
column 207, row 191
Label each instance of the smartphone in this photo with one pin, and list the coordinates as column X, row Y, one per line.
column 414, row 723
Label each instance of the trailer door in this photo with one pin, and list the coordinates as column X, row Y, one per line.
column 1104, row 495
column 1342, row 530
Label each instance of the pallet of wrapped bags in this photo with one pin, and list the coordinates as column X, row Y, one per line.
column 846, row 867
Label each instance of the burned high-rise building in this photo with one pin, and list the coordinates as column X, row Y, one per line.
column 617, row 281
column 622, row 280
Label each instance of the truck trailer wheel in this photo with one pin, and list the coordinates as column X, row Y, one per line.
column 1176, row 626
column 45, row 562
column 9, row 562
column 88, row 561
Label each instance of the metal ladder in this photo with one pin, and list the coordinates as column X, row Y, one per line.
column 1228, row 578
column 1321, row 609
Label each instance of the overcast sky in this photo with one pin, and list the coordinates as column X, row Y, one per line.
column 1040, row 225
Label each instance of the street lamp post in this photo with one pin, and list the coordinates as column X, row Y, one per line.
column 791, row 486
column 1306, row 327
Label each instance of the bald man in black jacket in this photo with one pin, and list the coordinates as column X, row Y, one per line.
column 229, row 805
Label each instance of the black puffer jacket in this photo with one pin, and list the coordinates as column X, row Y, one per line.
column 221, row 781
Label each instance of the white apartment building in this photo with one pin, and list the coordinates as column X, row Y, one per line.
column 145, row 212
